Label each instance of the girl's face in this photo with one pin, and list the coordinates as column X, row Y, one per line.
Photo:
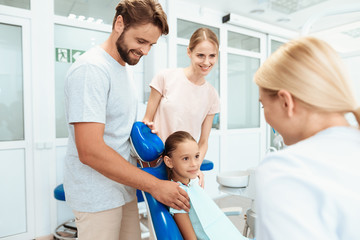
column 184, row 162
column 203, row 57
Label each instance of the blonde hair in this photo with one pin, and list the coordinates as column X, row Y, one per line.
column 203, row 34
column 312, row 72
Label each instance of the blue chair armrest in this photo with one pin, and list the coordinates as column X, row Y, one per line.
column 59, row 192
column 206, row 165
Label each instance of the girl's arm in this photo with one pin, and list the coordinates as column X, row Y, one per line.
column 184, row 224
column 152, row 105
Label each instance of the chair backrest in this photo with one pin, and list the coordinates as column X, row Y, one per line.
column 149, row 147
column 163, row 223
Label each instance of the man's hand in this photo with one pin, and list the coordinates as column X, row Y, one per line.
column 172, row 195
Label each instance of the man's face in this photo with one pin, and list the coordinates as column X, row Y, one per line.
column 136, row 41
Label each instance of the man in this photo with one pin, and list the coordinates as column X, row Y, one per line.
column 100, row 176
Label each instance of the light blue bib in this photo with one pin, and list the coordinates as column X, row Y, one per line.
column 215, row 223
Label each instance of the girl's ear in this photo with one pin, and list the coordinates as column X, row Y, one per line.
column 168, row 162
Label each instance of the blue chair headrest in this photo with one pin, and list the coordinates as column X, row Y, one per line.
column 147, row 145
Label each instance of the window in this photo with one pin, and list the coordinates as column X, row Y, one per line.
column 11, row 84
column 243, row 42
column 274, row 46
column 16, row 3
column 185, row 29
column 243, row 95
column 70, row 42
column 92, row 11
column 243, row 58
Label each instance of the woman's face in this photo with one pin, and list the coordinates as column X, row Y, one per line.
column 280, row 114
column 203, row 57
column 272, row 109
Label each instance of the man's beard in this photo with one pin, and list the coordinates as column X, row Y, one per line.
column 124, row 52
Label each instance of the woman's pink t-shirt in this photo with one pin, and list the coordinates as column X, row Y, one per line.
column 183, row 105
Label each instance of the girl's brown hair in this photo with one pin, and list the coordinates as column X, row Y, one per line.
column 172, row 143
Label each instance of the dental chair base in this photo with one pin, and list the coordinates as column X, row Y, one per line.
column 67, row 230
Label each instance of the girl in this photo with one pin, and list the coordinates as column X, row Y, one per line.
column 204, row 220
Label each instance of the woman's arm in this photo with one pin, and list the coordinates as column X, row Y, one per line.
column 205, row 133
column 203, row 143
column 152, row 105
column 184, row 224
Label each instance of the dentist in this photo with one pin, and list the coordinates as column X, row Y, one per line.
column 309, row 190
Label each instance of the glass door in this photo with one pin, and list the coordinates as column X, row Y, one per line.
column 16, row 204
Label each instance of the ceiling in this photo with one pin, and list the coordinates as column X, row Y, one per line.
column 290, row 14
column 342, row 30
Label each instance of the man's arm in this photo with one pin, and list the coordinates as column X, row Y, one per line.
column 94, row 152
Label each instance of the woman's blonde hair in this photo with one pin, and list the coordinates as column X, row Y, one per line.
column 312, row 72
column 203, row 34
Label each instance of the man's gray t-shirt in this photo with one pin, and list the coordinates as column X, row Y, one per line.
column 98, row 89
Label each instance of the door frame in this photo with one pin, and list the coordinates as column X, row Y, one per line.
column 27, row 143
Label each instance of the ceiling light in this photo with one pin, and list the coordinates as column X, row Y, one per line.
column 72, row 16
column 291, row 6
column 239, row 20
column 283, row 20
column 81, row 18
column 354, row 33
column 90, row 19
column 257, row 11
column 99, row 21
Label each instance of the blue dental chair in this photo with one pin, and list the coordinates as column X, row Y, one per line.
column 66, row 230
column 148, row 147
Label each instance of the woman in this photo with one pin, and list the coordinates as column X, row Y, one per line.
column 309, row 190
column 181, row 98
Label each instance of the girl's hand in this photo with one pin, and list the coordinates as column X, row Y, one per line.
column 201, row 179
